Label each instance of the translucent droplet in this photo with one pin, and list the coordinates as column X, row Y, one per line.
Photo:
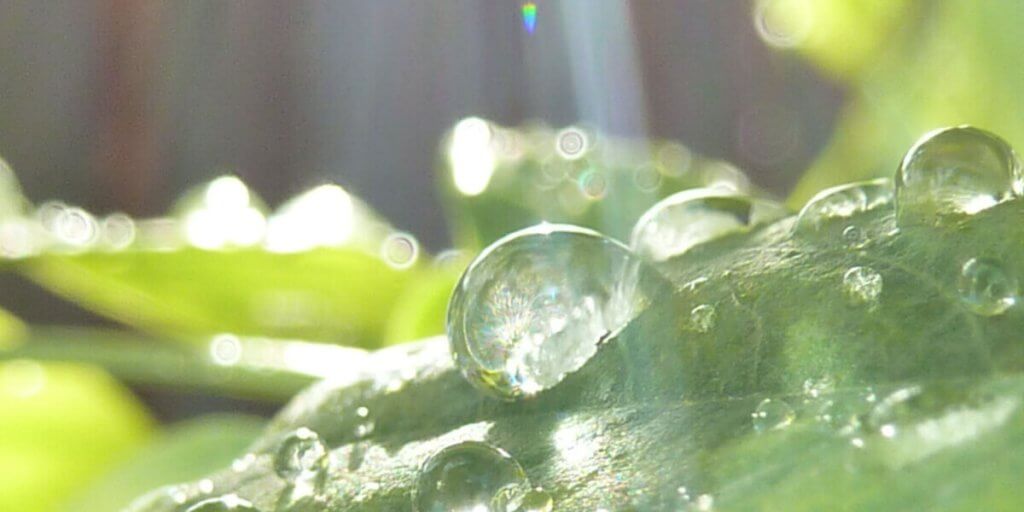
column 118, row 231
column 302, row 452
column 955, row 170
column 535, row 500
column 986, row 288
column 862, row 285
column 469, row 477
column 535, row 305
column 772, row 414
column 696, row 216
column 229, row 502
column 702, row 318
column 828, row 213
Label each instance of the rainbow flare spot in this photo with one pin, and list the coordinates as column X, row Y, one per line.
column 530, row 16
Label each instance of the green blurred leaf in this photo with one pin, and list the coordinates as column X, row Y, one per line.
column 936, row 64
column 420, row 311
column 185, row 451
column 336, row 295
column 912, row 401
column 60, row 426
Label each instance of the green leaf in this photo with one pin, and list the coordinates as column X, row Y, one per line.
column 940, row 63
column 60, row 426
column 185, row 451
column 910, row 400
column 337, row 295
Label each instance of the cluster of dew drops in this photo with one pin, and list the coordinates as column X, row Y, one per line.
column 535, row 305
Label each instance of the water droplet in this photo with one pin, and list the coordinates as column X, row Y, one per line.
column 986, row 287
column 696, row 216
column 534, row 500
column 535, row 305
column 228, row 502
column 226, row 349
column 702, row 318
column 854, row 237
column 301, row 453
column 469, row 476
column 243, row 463
column 828, row 212
column 893, row 407
column 571, row 143
column 400, row 250
column 955, row 170
column 862, row 285
column 772, row 414
column 118, row 231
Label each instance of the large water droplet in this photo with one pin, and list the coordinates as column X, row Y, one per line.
column 301, row 453
column 226, row 503
column 986, row 287
column 535, row 305
column 772, row 414
column 696, row 216
column 955, row 170
column 827, row 214
column 469, row 477
column 862, row 285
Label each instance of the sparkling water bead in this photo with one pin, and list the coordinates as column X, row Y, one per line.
column 226, row 503
column 535, row 305
column 827, row 214
column 696, row 216
column 960, row 170
column 862, row 285
column 302, row 452
column 469, row 477
column 772, row 414
column 986, row 287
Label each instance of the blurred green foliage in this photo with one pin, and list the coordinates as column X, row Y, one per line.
column 61, row 425
column 925, row 64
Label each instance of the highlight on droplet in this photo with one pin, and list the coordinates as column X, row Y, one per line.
column 529, row 16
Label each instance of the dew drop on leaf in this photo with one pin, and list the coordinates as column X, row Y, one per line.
column 535, row 500
column 986, row 288
column 772, row 414
column 827, row 214
column 301, row 453
column 702, row 318
column 960, row 170
column 692, row 217
column 535, row 305
column 469, row 476
column 862, row 285
column 226, row 503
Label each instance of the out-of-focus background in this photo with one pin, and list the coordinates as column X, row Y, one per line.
column 124, row 106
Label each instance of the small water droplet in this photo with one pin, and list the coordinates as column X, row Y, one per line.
column 829, row 212
column 535, row 305
column 702, row 318
column 469, row 476
column 534, row 500
column 772, row 415
column 301, row 453
column 686, row 219
column 243, row 463
column 118, row 231
column 228, row 502
column 960, row 170
column 986, row 288
column 862, row 285
column 647, row 178
column 888, row 410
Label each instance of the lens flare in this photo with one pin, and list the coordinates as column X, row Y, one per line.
column 529, row 17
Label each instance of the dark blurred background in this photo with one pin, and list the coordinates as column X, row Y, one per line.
column 120, row 105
